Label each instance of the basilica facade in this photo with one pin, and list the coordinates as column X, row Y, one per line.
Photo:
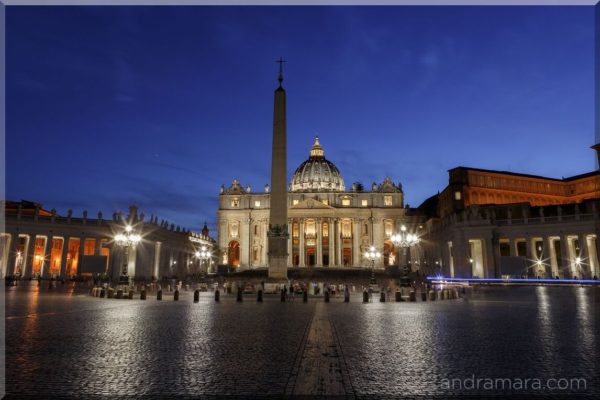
column 329, row 225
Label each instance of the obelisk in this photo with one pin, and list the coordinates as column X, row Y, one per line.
column 278, row 232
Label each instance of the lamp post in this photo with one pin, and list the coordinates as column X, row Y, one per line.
column 405, row 240
column 372, row 254
column 128, row 240
column 203, row 255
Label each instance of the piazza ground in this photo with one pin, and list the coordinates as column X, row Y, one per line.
column 64, row 343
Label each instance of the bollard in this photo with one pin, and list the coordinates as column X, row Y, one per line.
column 102, row 292
column 431, row 295
column 111, row 293
column 423, row 296
column 326, row 296
column 239, row 294
column 382, row 297
column 196, row 296
column 282, row 296
column 143, row 294
column 159, row 294
column 130, row 294
column 305, row 296
column 119, row 293
column 398, row 296
column 365, row 297
column 446, row 294
column 217, row 295
column 259, row 296
column 347, row 297
column 412, row 296
column 176, row 295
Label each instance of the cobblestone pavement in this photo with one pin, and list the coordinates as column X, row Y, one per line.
column 72, row 345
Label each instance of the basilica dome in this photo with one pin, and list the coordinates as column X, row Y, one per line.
column 317, row 174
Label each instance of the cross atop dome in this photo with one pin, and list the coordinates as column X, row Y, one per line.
column 317, row 150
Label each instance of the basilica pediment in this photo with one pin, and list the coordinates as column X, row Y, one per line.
column 311, row 203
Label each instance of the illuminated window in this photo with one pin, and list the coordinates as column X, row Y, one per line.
column 295, row 201
column 457, row 195
column 89, row 247
column 388, row 227
column 310, row 227
column 387, row 200
column 256, row 203
column 235, row 202
column 234, row 229
column 325, row 201
column 296, row 230
column 346, row 202
column 364, row 202
column 346, row 228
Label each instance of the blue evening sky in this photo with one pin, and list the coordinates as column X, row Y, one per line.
column 158, row 106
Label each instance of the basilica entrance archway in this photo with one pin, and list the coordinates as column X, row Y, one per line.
column 233, row 253
column 310, row 257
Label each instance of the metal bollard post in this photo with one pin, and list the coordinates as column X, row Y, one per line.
column 143, row 294
column 111, row 293
column 382, row 297
column 431, row 295
column 119, row 293
column 239, row 295
column 176, row 295
column 217, row 295
column 159, row 294
column 130, row 294
column 423, row 295
column 327, row 296
column 196, row 296
column 259, row 296
column 305, row 296
column 412, row 296
column 347, row 297
column 102, row 292
column 398, row 296
column 282, row 295
column 365, row 297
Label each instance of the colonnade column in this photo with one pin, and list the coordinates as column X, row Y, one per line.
column 47, row 261
column 319, row 239
column 81, row 249
column 565, row 256
column 302, row 250
column 531, row 267
column 554, row 263
column 12, row 254
column 584, row 253
column 28, row 252
column 63, row 258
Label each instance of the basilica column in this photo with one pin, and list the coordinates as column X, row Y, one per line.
column 264, row 226
column 301, row 250
column 245, row 243
column 356, row 259
column 290, row 242
column 378, row 239
column 338, row 242
column 319, row 239
column 331, row 239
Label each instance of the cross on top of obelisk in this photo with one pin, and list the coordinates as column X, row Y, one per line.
column 280, row 61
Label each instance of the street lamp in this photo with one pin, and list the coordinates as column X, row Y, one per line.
column 405, row 240
column 372, row 254
column 203, row 254
column 127, row 239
